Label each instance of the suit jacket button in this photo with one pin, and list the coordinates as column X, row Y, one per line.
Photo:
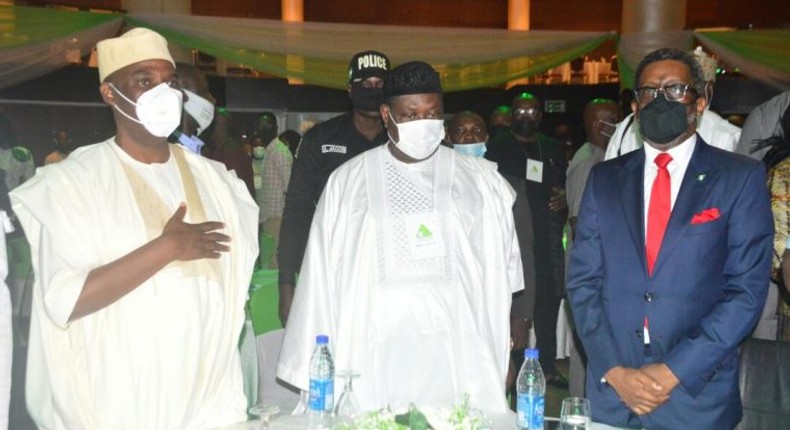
column 648, row 297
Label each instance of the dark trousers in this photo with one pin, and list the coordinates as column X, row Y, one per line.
column 547, row 308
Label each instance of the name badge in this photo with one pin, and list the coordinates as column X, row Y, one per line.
column 339, row 149
column 424, row 235
column 534, row 170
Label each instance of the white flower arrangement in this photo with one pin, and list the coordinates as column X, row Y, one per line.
column 458, row 417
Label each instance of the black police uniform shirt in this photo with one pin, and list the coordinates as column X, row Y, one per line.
column 322, row 150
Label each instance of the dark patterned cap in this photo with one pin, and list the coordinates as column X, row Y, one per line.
column 366, row 64
column 416, row 77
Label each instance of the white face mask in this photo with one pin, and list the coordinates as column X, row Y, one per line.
column 193, row 143
column 258, row 152
column 605, row 134
column 158, row 109
column 419, row 138
column 472, row 149
column 200, row 109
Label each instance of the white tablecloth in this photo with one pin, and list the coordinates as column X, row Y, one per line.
column 504, row 422
column 290, row 422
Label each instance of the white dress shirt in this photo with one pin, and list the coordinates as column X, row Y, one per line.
column 681, row 155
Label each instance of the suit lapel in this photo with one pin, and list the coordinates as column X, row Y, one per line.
column 631, row 180
column 697, row 183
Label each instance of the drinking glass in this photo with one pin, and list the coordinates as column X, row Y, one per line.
column 347, row 407
column 575, row 414
column 263, row 413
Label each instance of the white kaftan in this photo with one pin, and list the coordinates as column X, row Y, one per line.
column 165, row 355
column 423, row 322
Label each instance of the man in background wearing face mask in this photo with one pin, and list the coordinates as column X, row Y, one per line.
column 325, row 147
column 198, row 112
column 537, row 161
column 500, row 120
column 137, row 308
column 467, row 132
column 716, row 130
column 410, row 266
column 671, row 263
column 600, row 117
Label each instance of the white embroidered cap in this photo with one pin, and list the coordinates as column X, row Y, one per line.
column 137, row 44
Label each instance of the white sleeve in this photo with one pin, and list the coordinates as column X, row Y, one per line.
column 59, row 233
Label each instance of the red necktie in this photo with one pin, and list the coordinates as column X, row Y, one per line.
column 659, row 210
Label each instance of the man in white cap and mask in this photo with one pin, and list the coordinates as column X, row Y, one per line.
column 143, row 253
column 410, row 265
column 198, row 107
column 715, row 130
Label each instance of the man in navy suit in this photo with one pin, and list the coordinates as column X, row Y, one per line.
column 671, row 263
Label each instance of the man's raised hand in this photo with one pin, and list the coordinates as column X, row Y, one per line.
column 194, row 241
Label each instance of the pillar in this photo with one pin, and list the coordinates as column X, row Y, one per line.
column 644, row 16
column 180, row 7
column 518, row 19
column 646, row 26
column 518, row 15
column 293, row 11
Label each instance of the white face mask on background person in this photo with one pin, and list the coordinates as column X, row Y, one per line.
column 258, row 152
column 608, row 124
column 419, row 138
column 158, row 109
column 473, row 149
column 200, row 109
column 193, row 143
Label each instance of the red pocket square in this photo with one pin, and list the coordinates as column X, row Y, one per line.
column 706, row 215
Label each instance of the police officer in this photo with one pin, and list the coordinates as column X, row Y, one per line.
column 325, row 147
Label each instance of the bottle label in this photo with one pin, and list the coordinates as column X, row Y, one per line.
column 530, row 411
column 322, row 395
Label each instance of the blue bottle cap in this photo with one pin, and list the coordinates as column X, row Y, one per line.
column 531, row 353
column 322, row 339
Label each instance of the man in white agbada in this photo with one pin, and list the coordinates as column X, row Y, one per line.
column 142, row 253
column 410, row 265
column 715, row 130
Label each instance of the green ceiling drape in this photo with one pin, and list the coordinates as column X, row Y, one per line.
column 35, row 41
column 759, row 53
column 318, row 53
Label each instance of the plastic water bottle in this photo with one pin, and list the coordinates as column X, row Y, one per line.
column 531, row 387
column 322, row 380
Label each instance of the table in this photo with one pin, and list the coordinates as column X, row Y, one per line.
column 504, row 422
column 295, row 422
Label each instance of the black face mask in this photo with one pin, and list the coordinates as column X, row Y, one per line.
column 662, row 121
column 525, row 128
column 367, row 99
column 496, row 130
